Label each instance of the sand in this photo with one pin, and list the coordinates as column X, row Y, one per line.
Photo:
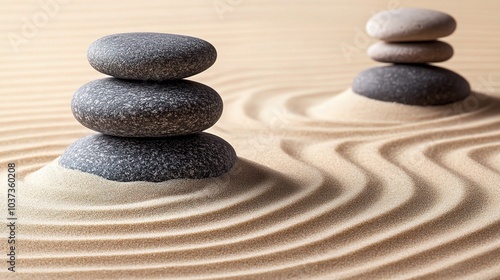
column 328, row 184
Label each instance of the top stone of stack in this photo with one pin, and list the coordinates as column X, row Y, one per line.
column 151, row 56
column 410, row 24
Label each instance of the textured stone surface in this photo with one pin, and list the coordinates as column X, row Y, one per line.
column 422, row 85
column 151, row 56
column 411, row 52
column 146, row 109
column 410, row 24
column 122, row 159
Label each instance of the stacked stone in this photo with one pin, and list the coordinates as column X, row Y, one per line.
column 410, row 41
column 148, row 117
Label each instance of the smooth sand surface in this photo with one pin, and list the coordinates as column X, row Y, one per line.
column 328, row 185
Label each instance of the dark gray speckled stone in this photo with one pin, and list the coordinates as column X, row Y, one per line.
column 122, row 159
column 412, row 84
column 151, row 56
column 146, row 109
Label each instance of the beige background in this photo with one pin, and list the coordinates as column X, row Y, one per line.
column 276, row 58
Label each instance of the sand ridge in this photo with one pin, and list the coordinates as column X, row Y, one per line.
column 350, row 201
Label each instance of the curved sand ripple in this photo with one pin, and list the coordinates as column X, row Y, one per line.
column 354, row 195
column 329, row 184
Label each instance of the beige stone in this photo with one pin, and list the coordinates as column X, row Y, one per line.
column 411, row 52
column 410, row 24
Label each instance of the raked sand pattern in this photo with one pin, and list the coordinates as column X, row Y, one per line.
column 328, row 185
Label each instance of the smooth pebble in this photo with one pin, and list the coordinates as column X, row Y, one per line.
column 411, row 52
column 151, row 56
column 122, row 159
column 422, row 85
column 410, row 24
column 146, row 109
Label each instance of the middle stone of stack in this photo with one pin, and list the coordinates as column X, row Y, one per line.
column 147, row 110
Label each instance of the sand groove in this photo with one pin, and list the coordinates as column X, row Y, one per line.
column 339, row 214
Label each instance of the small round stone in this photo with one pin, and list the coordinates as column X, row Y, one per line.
column 151, row 56
column 122, row 159
column 146, row 109
column 410, row 24
column 411, row 52
column 422, row 85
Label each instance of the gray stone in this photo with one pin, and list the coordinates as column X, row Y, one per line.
column 151, row 56
column 122, row 159
column 422, row 85
column 411, row 52
column 410, row 24
column 146, row 109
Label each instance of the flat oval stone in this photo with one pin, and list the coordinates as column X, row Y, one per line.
column 422, row 85
column 151, row 56
column 146, row 109
column 410, row 24
column 123, row 159
column 411, row 52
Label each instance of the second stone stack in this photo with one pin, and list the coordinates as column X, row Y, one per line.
column 149, row 118
column 410, row 41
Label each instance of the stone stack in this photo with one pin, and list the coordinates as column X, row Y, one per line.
column 148, row 117
column 410, row 41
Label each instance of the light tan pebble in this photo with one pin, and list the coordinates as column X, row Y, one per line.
column 411, row 52
column 410, row 24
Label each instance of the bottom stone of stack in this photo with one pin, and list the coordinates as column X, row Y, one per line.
column 124, row 159
column 412, row 84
